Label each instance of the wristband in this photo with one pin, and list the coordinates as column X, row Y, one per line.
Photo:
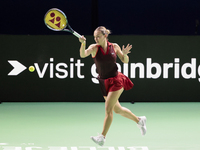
column 83, row 43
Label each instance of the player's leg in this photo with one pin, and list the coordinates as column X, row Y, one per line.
column 125, row 112
column 110, row 102
column 141, row 121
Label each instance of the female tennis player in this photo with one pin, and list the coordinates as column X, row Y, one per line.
column 112, row 82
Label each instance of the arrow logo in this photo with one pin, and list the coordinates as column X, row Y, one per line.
column 18, row 67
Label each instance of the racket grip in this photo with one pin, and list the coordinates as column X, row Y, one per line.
column 76, row 34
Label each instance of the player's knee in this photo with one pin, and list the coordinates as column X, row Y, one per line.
column 117, row 110
column 109, row 110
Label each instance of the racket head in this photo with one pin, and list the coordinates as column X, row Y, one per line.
column 55, row 19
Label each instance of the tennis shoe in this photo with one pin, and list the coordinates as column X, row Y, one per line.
column 142, row 125
column 98, row 139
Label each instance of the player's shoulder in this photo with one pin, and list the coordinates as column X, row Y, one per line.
column 93, row 46
column 115, row 45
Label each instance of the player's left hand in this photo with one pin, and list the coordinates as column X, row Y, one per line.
column 127, row 49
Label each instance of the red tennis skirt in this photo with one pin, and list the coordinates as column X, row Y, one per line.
column 115, row 84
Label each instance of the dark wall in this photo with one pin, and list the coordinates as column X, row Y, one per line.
column 67, row 77
column 150, row 17
column 179, row 17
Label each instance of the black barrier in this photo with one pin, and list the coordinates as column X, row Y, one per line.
column 163, row 69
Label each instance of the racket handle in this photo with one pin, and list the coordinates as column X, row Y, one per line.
column 76, row 34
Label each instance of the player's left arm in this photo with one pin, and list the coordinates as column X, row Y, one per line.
column 123, row 54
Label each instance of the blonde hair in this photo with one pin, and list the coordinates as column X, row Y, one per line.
column 103, row 30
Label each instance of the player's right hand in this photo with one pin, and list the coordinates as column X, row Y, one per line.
column 82, row 39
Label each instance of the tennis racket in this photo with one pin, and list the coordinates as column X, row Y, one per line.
column 56, row 20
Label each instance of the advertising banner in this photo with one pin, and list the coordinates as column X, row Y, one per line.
column 48, row 68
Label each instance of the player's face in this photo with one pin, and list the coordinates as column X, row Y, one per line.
column 99, row 37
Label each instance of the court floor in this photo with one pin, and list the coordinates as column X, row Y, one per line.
column 68, row 126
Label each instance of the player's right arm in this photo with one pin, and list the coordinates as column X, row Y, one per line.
column 86, row 52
